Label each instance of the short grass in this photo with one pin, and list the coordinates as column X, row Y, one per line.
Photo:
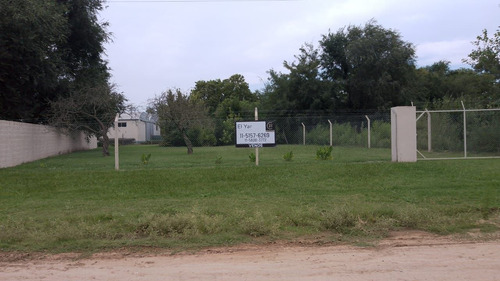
column 215, row 197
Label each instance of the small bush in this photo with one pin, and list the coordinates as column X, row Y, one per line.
column 252, row 157
column 145, row 158
column 324, row 153
column 339, row 219
column 218, row 160
column 258, row 226
column 288, row 156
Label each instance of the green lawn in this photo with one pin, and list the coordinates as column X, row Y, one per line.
column 78, row 202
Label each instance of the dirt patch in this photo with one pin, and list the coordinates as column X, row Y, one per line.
column 407, row 255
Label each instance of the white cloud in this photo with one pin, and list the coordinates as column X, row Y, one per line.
column 453, row 51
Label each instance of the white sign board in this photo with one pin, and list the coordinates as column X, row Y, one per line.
column 255, row 134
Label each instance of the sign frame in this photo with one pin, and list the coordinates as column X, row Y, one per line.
column 254, row 134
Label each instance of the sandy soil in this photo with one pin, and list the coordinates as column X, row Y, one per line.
column 403, row 256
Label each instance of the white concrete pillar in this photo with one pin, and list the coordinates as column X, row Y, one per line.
column 403, row 134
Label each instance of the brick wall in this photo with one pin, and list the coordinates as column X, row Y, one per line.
column 23, row 142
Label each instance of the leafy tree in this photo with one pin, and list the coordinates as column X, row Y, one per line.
column 226, row 101
column 356, row 68
column 430, row 83
column 84, row 46
column 437, row 82
column 31, row 62
column 91, row 109
column 178, row 112
column 486, row 57
column 223, row 97
column 301, row 89
column 45, row 48
column 370, row 65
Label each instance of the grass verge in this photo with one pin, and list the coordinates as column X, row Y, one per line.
column 77, row 202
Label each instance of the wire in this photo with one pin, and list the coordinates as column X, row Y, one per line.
column 193, row 1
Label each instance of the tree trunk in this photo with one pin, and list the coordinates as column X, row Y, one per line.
column 105, row 144
column 188, row 143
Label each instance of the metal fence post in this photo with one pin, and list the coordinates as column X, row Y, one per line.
column 331, row 133
column 369, row 131
column 117, row 155
column 465, row 130
column 429, row 132
column 303, row 134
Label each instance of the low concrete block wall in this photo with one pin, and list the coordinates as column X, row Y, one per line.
column 23, row 142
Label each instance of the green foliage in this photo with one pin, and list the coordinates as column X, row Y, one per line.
column 371, row 64
column 324, row 153
column 48, row 49
column 145, row 158
column 345, row 134
column 486, row 57
column 223, row 97
column 228, row 129
column 319, row 135
column 30, row 66
column 226, row 101
column 381, row 134
column 447, row 129
column 288, row 156
column 252, row 157
column 436, row 85
column 91, row 109
column 178, row 115
column 202, row 136
column 218, row 160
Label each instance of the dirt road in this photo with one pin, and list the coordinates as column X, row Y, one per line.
column 403, row 256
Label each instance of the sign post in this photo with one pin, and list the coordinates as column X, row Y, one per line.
column 117, row 154
column 256, row 148
column 255, row 134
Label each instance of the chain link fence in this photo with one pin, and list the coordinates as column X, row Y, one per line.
column 441, row 134
column 348, row 129
column 458, row 133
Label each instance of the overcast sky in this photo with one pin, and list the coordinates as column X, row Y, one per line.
column 159, row 45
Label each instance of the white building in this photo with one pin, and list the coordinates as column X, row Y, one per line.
column 140, row 127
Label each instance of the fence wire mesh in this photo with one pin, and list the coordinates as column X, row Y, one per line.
column 458, row 133
column 351, row 129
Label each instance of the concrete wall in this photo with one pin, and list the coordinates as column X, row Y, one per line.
column 23, row 142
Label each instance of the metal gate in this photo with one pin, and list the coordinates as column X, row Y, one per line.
column 464, row 112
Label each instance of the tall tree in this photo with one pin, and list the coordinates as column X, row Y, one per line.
column 177, row 111
column 227, row 101
column 301, row 89
column 438, row 82
column 91, row 109
column 31, row 63
column 370, row 64
column 84, row 46
column 222, row 97
column 486, row 57
column 45, row 48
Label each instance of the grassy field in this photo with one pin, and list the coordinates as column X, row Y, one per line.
column 215, row 197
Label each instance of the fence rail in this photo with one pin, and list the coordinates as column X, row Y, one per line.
column 459, row 134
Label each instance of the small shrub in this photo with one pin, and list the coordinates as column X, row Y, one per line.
column 252, row 157
column 324, row 153
column 339, row 219
column 145, row 158
column 258, row 226
column 288, row 156
column 218, row 160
